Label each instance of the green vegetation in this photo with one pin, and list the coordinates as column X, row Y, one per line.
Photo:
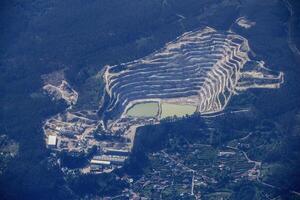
column 103, row 184
column 39, row 37
column 268, row 142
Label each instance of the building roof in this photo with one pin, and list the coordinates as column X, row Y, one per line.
column 51, row 140
column 100, row 162
column 117, row 150
column 110, row 158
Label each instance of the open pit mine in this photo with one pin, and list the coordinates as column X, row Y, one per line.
column 202, row 68
column 198, row 72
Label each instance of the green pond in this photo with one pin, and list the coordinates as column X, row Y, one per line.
column 149, row 109
column 170, row 110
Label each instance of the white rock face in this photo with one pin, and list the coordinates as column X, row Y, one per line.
column 203, row 68
column 245, row 23
column 57, row 87
column 62, row 91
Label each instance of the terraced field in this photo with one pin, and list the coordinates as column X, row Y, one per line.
column 202, row 68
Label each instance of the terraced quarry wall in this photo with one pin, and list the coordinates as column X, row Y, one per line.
column 203, row 68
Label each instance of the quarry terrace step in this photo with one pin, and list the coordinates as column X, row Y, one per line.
column 203, row 68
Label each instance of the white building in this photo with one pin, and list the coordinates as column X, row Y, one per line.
column 51, row 141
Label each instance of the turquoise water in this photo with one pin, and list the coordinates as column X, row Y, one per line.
column 149, row 109
column 170, row 110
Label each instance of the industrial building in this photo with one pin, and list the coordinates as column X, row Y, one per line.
column 51, row 142
column 117, row 152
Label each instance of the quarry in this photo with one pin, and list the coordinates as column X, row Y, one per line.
column 201, row 69
column 199, row 72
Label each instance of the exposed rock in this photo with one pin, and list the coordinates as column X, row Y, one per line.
column 203, row 68
column 245, row 23
column 57, row 87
